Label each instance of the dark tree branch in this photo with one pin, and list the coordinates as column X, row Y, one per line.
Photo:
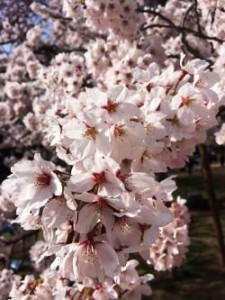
column 187, row 14
column 180, row 29
column 195, row 6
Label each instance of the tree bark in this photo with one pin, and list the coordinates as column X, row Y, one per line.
column 207, row 173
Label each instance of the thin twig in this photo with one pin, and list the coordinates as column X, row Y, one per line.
column 178, row 28
column 197, row 16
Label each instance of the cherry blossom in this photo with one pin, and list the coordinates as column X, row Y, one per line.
column 170, row 248
column 103, row 90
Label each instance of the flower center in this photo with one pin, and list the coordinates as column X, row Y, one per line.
column 119, row 131
column 187, row 101
column 90, row 133
column 111, row 107
column 42, row 179
column 99, row 178
column 88, row 252
column 146, row 156
column 174, row 121
column 150, row 129
column 124, row 224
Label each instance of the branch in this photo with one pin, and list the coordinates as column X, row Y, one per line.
column 197, row 16
column 187, row 14
column 214, row 13
column 157, row 14
column 180, row 29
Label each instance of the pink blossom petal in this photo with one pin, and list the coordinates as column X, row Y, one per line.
column 88, row 218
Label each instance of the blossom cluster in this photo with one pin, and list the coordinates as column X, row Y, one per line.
column 128, row 282
column 113, row 113
column 7, row 278
column 171, row 247
column 109, row 204
column 115, row 17
column 36, row 252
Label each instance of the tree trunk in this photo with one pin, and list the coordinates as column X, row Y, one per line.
column 212, row 201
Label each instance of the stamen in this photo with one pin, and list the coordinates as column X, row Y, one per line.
column 90, row 133
column 42, row 179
